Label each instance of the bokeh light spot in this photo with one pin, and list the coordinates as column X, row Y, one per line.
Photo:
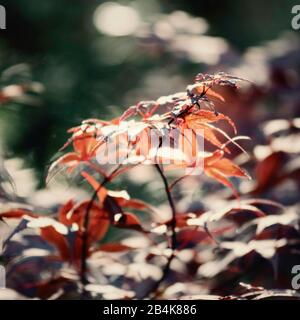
column 116, row 20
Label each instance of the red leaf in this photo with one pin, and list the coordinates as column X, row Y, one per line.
column 220, row 169
column 58, row 240
column 114, row 247
column 128, row 221
column 228, row 168
column 63, row 211
column 267, row 171
column 205, row 116
column 17, row 213
column 101, row 191
column 98, row 220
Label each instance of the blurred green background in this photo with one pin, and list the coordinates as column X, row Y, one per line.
column 95, row 58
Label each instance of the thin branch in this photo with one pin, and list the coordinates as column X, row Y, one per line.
column 173, row 241
column 84, row 251
column 172, row 206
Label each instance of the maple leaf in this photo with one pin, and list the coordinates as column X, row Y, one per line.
column 219, row 168
column 114, row 202
column 201, row 120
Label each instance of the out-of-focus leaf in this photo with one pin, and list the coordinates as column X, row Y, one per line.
column 114, row 247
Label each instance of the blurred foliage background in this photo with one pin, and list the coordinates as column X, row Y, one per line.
column 95, row 58
column 65, row 61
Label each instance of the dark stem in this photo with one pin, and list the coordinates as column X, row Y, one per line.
column 173, row 241
column 172, row 206
column 84, row 251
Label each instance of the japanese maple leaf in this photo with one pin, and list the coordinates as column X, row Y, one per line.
column 220, row 169
column 84, row 146
column 202, row 122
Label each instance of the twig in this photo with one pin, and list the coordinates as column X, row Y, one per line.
column 172, row 205
column 86, row 226
column 173, row 240
column 86, row 221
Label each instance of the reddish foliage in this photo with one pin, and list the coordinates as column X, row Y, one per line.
column 218, row 245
